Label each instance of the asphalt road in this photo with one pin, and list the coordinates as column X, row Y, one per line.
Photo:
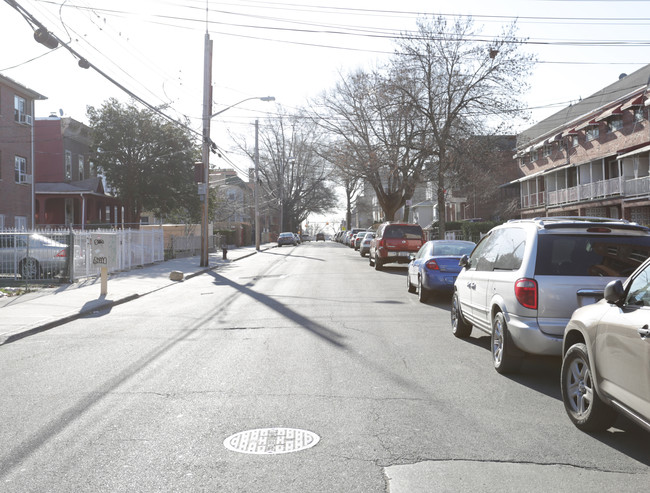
column 144, row 397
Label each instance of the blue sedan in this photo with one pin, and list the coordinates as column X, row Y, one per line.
column 435, row 266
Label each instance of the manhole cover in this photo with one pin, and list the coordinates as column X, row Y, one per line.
column 271, row 441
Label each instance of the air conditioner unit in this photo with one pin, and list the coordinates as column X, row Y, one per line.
column 26, row 119
column 27, row 179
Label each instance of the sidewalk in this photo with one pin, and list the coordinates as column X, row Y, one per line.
column 30, row 313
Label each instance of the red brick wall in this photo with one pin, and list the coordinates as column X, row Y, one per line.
column 48, row 147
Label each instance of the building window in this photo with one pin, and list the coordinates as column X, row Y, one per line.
column 533, row 156
column 574, row 141
column 81, row 167
column 19, row 109
column 68, row 165
column 547, row 150
column 91, row 169
column 592, row 133
column 20, row 223
column 20, row 169
column 615, row 123
column 522, row 161
column 638, row 114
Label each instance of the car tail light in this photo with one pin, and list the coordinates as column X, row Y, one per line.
column 62, row 253
column 526, row 293
column 432, row 265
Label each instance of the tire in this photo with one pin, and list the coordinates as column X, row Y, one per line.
column 371, row 262
column 583, row 405
column 505, row 355
column 409, row 287
column 423, row 293
column 377, row 262
column 29, row 268
column 459, row 327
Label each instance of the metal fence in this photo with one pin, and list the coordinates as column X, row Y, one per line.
column 44, row 255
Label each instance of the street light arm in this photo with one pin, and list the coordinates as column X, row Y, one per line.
column 263, row 98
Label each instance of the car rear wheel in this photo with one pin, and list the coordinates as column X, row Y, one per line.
column 409, row 287
column 585, row 409
column 377, row 263
column 29, row 268
column 505, row 355
column 370, row 261
column 459, row 327
column 423, row 293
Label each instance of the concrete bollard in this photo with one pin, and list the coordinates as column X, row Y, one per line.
column 176, row 275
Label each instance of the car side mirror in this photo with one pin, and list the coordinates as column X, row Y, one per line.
column 464, row 261
column 411, row 257
column 614, row 292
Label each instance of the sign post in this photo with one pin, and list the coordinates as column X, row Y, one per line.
column 103, row 250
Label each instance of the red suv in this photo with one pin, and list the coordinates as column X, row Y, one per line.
column 394, row 242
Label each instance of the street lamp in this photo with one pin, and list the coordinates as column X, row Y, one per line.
column 206, row 160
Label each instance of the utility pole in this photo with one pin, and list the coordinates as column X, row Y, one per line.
column 207, row 110
column 257, row 188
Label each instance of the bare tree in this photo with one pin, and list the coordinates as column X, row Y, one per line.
column 385, row 136
column 462, row 84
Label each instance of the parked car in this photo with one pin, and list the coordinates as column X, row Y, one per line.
column 320, row 236
column 394, row 242
column 364, row 246
column 435, row 266
column 31, row 256
column 287, row 238
column 357, row 240
column 526, row 277
column 350, row 234
column 606, row 356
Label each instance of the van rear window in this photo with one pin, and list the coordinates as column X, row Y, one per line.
column 405, row 232
column 582, row 255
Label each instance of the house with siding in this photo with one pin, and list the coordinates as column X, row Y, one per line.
column 16, row 154
column 591, row 158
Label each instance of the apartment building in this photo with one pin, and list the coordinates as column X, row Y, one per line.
column 590, row 158
column 16, row 154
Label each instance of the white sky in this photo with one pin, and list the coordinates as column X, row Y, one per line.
column 293, row 50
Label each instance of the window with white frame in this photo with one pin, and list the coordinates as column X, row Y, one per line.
column 574, row 141
column 547, row 150
column 20, row 169
column 81, row 167
column 615, row 123
column 91, row 169
column 68, row 165
column 592, row 133
column 639, row 114
column 19, row 108
column 533, row 155
column 20, row 222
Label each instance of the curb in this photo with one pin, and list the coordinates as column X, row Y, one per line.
column 104, row 306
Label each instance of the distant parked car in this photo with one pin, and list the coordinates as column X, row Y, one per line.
column 320, row 236
column 526, row 277
column 606, row 353
column 395, row 242
column 287, row 239
column 364, row 247
column 435, row 266
column 31, row 256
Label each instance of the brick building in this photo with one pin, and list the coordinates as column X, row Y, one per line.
column 16, row 154
column 591, row 158
column 68, row 191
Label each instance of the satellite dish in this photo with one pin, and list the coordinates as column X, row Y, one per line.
column 60, row 112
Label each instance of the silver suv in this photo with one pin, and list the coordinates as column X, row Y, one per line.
column 525, row 278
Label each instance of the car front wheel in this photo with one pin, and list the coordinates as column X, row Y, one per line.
column 505, row 355
column 459, row 327
column 585, row 409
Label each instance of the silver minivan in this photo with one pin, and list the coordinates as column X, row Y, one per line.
column 525, row 278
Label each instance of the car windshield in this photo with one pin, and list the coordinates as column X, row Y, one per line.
column 582, row 255
column 405, row 232
column 453, row 249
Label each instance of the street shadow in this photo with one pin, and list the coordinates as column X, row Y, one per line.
column 294, row 256
column 97, row 308
column 315, row 328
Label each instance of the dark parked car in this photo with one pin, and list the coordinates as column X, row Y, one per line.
column 606, row 356
column 435, row 266
column 287, row 239
column 320, row 236
column 395, row 242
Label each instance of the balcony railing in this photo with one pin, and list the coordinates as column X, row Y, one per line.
column 590, row 191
